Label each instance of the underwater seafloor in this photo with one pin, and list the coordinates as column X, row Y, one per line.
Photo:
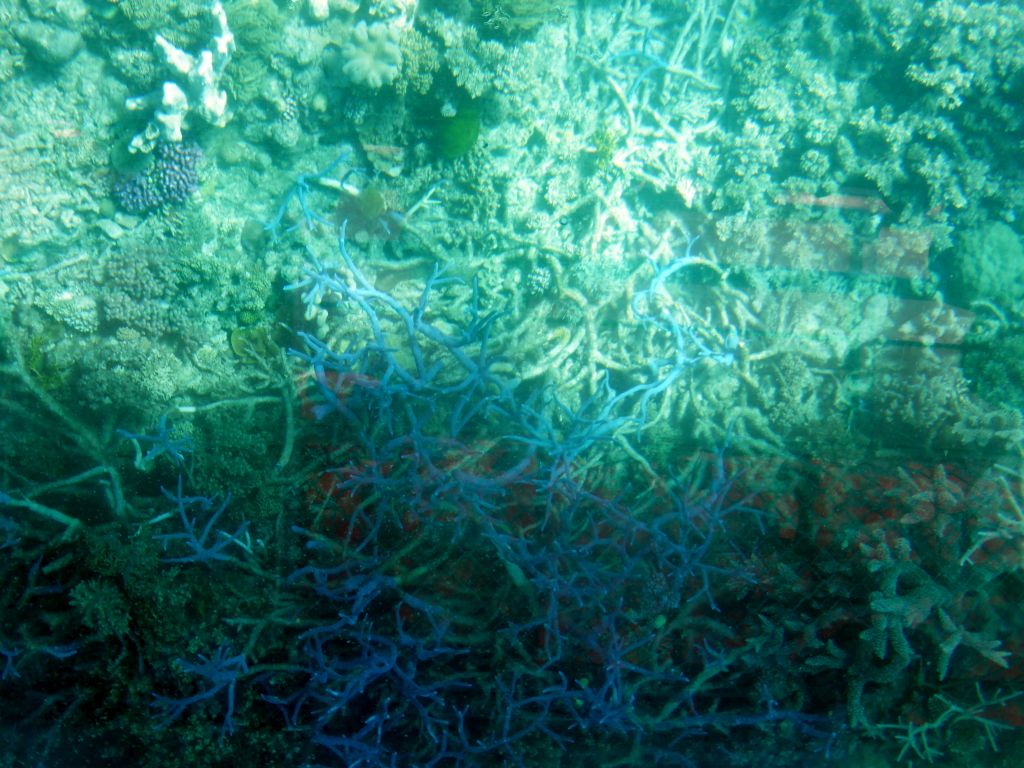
column 511, row 383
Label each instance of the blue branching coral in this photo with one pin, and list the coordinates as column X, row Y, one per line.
column 448, row 468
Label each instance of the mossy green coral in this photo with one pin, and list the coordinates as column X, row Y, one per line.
column 456, row 136
column 990, row 266
column 102, row 607
column 146, row 14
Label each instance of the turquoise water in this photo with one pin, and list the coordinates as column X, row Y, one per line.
column 397, row 383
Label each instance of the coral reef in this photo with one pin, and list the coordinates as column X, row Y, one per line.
column 532, row 383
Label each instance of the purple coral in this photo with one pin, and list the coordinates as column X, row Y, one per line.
column 172, row 177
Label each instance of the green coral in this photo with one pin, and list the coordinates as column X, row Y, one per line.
column 456, row 136
column 257, row 26
column 245, row 78
column 146, row 15
column 254, row 346
column 138, row 67
column 995, row 369
column 251, row 298
column 989, row 266
column 102, row 607
column 606, row 143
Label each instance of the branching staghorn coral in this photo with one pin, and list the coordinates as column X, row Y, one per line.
column 26, row 398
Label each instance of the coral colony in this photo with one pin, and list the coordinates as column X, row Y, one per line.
column 173, row 177
column 533, row 384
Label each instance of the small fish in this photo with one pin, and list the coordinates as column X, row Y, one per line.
column 854, row 202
